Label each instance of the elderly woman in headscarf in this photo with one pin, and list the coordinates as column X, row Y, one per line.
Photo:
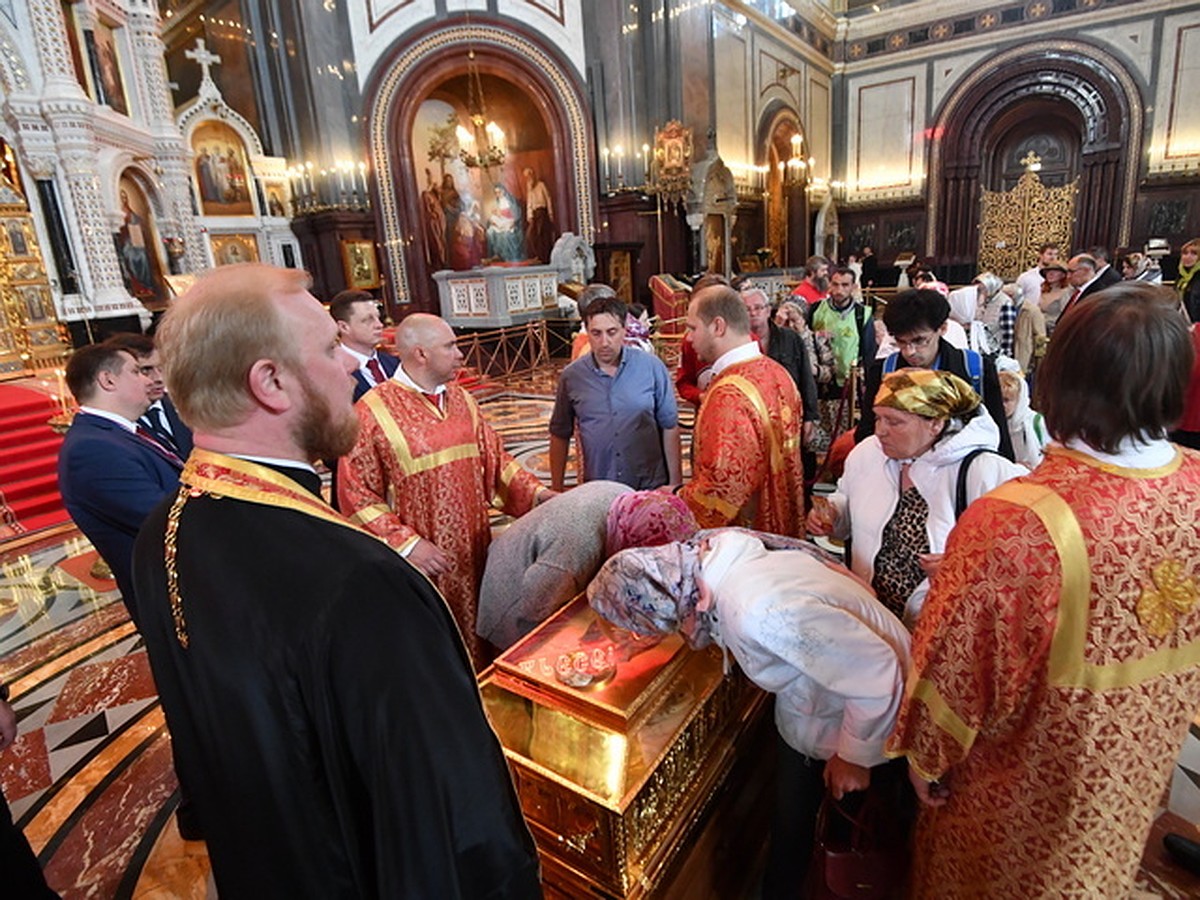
column 897, row 499
column 800, row 626
column 544, row 559
column 997, row 311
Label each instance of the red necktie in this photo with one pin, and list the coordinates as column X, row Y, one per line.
column 146, row 435
column 432, row 398
column 376, row 370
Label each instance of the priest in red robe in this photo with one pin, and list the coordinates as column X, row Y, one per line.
column 427, row 467
column 746, row 466
column 1056, row 665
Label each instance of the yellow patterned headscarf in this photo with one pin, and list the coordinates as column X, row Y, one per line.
column 928, row 393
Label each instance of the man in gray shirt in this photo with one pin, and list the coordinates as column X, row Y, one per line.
column 624, row 404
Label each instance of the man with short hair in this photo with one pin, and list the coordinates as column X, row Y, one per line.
column 917, row 320
column 360, row 330
column 1106, row 275
column 623, row 402
column 815, row 285
column 1083, row 274
column 319, row 697
column 161, row 418
column 111, row 473
column 845, row 321
column 787, row 348
column 426, row 468
column 1030, row 281
column 746, row 458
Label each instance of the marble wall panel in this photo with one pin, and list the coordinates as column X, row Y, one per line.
column 731, row 82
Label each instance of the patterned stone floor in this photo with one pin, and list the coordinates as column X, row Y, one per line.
column 90, row 778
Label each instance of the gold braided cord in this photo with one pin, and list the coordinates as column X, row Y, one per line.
column 170, row 548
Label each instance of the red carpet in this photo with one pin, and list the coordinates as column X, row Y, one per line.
column 29, row 457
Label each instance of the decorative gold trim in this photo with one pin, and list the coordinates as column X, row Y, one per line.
column 1068, row 667
column 409, row 464
column 1120, row 471
column 943, row 716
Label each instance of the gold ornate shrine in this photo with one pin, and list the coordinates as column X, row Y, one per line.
column 631, row 760
column 30, row 337
column 1013, row 224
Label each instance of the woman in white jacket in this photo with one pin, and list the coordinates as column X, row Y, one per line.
column 799, row 626
column 896, row 500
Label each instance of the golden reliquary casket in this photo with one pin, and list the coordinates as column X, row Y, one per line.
column 641, row 767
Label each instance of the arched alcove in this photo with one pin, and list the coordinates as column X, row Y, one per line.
column 787, row 211
column 1068, row 95
column 524, row 83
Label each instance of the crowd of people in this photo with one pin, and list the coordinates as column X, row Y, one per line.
column 1016, row 615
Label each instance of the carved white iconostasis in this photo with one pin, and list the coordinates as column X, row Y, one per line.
column 241, row 195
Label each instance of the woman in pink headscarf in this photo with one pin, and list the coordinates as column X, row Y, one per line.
column 547, row 557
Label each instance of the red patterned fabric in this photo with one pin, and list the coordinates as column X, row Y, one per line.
column 1051, row 693
column 746, row 451
column 420, row 472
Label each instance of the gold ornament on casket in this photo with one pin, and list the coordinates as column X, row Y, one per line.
column 617, row 747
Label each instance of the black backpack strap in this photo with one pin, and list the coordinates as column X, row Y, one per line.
column 960, row 488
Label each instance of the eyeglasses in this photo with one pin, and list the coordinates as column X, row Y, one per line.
column 916, row 343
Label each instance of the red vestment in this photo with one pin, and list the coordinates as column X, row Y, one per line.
column 1056, row 668
column 418, row 472
column 746, row 451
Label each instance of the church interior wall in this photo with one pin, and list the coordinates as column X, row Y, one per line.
column 1145, row 50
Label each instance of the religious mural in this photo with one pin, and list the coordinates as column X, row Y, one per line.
column 106, row 68
column 137, row 244
column 221, row 170
column 230, row 249
column 486, row 181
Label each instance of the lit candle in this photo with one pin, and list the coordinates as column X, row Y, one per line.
column 646, row 159
column 607, row 170
column 362, row 174
column 619, row 150
column 341, row 170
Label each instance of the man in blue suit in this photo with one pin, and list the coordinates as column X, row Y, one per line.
column 110, row 473
column 360, row 330
column 160, row 419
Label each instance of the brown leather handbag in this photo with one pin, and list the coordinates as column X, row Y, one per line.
column 861, row 855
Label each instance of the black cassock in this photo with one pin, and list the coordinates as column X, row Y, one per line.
column 325, row 714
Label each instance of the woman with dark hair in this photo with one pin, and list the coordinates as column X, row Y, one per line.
column 898, row 496
column 1056, row 664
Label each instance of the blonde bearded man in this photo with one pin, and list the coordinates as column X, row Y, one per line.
column 746, row 459
column 426, row 467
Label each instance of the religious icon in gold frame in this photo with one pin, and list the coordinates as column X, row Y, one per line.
column 360, row 264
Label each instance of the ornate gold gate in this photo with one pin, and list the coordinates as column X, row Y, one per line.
column 1013, row 224
column 30, row 337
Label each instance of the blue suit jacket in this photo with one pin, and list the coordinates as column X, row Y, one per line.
column 110, row 480
column 389, row 364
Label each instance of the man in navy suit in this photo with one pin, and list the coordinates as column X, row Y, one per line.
column 110, row 475
column 161, row 418
column 360, row 330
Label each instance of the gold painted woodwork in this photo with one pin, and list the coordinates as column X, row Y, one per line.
column 1013, row 224
column 613, row 778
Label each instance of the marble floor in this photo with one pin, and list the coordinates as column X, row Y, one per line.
column 90, row 778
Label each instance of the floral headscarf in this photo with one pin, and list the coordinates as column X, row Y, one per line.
column 647, row 519
column 653, row 591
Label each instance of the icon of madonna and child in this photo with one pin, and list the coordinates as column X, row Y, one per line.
column 463, row 231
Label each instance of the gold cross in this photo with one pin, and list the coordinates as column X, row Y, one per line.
column 1030, row 160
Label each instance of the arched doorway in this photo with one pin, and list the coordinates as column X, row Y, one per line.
column 784, row 157
column 426, row 187
column 1074, row 101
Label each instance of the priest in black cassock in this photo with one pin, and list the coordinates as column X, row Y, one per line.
column 322, row 705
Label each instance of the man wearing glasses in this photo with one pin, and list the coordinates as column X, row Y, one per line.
column 917, row 321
